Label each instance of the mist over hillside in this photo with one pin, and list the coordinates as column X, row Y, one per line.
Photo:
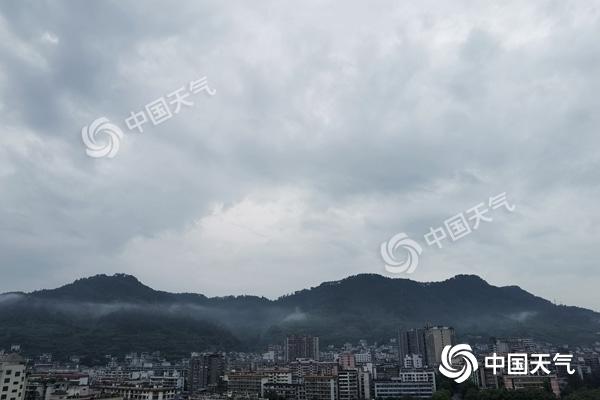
column 117, row 314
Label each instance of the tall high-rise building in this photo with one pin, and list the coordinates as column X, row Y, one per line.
column 411, row 342
column 12, row 377
column 436, row 338
column 364, row 383
column 205, row 371
column 348, row 386
column 301, row 347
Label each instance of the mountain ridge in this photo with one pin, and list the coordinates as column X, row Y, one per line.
column 115, row 314
column 131, row 279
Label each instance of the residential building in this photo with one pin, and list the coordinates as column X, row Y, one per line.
column 436, row 338
column 205, row 371
column 364, row 383
column 413, row 361
column 12, row 377
column 301, row 368
column 486, row 379
column 348, row 387
column 132, row 390
column 57, row 386
column 301, row 347
column 411, row 342
column 347, row 360
column 419, row 384
column 516, row 382
column 321, row 387
column 291, row 391
column 362, row 358
column 246, row 384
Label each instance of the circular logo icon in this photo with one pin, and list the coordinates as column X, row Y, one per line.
column 102, row 138
column 398, row 265
column 464, row 353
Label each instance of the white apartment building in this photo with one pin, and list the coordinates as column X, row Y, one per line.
column 413, row 361
column 412, row 384
column 12, row 377
column 140, row 391
column 363, row 358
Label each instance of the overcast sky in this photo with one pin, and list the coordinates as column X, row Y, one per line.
column 334, row 126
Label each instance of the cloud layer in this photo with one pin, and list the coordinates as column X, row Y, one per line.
column 334, row 126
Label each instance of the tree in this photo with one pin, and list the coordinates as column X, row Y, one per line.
column 442, row 395
column 471, row 393
column 584, row 394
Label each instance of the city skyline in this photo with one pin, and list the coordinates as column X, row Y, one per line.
column 352, row 371
column 316, row 200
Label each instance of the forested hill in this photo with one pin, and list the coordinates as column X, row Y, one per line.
column 117, row 314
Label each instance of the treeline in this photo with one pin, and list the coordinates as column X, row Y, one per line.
column 503, row 394
column 497, row 394
column 576, row 389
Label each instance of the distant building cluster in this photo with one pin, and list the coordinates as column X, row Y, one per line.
column 297, row 369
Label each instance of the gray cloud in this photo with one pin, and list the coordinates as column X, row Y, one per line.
column 334, row 126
